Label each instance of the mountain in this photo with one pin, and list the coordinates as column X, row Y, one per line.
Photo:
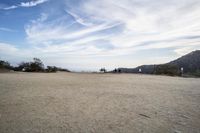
column 189, row 62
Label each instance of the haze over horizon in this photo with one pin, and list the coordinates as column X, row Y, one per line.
column 90, row 34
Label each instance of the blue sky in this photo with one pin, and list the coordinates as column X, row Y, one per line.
column 90, row 34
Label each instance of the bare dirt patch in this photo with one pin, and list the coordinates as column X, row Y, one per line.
column 99, row 103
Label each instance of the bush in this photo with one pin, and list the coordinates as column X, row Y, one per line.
column 196, row 73
column 5, row 65
column 102, row 70
column 51, row 69
column 167, row 69
column 35, row 66
column 63, row 70
column 23, row 66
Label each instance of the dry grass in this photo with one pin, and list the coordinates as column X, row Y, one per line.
column 98, row 103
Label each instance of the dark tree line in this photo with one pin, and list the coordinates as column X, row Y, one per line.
column 33, row 66
column 5, row 65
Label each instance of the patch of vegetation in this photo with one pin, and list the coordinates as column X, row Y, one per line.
column 5, row 65
column 167, row 69
column 34, row 66
column 196, row 73
column 55, row 69
column 103, row 70
column 51, row 69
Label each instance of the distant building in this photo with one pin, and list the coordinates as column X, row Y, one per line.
column 24, row 69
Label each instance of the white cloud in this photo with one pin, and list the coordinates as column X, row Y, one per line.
column 10, row 50
column 32, row 3
column 184, row 50
column 26, row 4
column 79, row 19
column 148, row 21
column 40, row 31
column 7, row 48
column 10, row 7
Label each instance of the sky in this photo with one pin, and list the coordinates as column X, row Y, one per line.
column 85, row 35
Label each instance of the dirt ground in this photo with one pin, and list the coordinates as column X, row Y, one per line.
column 98, row 103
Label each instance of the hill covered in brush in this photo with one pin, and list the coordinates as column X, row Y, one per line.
column 189, row 62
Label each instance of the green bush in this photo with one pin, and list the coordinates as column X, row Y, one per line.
column 51, row 69
column 35, row 66
column 167, row 69
column 196, row 73
column 5, row 65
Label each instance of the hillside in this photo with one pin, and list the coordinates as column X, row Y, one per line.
column 190, row 63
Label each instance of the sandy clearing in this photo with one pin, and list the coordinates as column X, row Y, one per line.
column 98, row 103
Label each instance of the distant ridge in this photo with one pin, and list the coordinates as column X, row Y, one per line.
column 189, row 62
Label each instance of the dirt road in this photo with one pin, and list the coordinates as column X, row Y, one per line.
column 98, row 103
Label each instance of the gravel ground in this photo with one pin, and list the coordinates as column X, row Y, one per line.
column 98, row 103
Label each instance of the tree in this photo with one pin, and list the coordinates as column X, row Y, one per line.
column 23, row 66
column 36, row 65
column 102, row 70
column 51, row 69
column 5, row 65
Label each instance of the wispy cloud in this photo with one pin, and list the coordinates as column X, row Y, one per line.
column 143, row 23
column 79, row 19
column 32, row 3
column 7, row 48
column 7, row 29
column 10, row 7
column 40, row 31
column 26, row 4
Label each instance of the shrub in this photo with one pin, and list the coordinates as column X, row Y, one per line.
column 102, row 70
column 51, row 69
column 5, row 65
column 35, row 66
column 167, row 69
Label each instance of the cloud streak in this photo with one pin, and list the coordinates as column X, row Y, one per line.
column 26, row 4
column 40, row 31
column 7, row 29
